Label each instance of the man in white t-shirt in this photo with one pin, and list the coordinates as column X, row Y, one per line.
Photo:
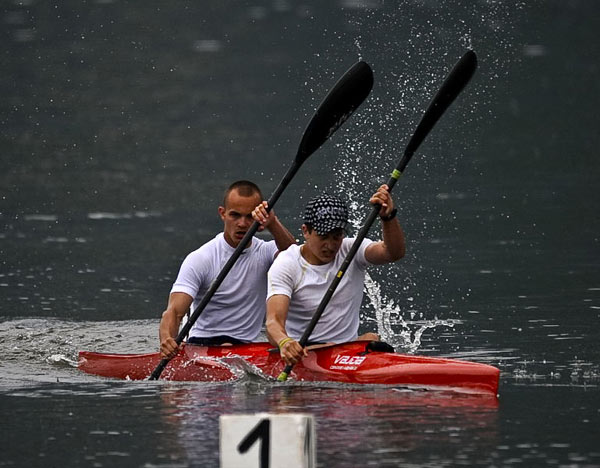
column 300, row 276
column 236, row 312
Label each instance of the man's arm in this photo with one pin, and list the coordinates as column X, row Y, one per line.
column 393, row 246
column 283, row 238
column 277, row 310
column 179, row 304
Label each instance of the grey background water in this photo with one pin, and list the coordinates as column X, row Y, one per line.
column 122, row 123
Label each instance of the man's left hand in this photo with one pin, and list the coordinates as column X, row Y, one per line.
column 263, row 217
column 383, row 198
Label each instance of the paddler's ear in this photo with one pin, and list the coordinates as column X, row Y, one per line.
column 305, row 230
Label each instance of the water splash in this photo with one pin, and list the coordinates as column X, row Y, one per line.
column 409, row 68
column 392, row 328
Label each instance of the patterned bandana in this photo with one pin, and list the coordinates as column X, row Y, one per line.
column 326, row 213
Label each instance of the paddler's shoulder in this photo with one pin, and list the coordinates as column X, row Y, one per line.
column 292, row 253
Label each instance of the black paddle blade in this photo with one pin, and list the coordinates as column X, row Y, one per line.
column 341, row 102
column 456, row 80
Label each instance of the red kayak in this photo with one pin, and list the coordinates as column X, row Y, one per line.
column 347, row 362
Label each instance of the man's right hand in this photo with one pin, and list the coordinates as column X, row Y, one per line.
column 169, row 348
column 291, row 352
column 179, row 304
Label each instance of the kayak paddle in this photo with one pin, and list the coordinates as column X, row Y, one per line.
column 339, row 104
column 451, row 88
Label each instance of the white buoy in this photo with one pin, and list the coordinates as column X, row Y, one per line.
column 267, row 440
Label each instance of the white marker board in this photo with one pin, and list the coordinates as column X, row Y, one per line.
column 267, row 440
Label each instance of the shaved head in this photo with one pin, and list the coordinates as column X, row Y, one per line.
column 244, row 188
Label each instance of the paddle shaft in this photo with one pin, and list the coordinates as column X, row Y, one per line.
column 451, row 88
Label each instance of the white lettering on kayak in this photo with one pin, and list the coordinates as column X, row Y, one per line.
column 347, row 362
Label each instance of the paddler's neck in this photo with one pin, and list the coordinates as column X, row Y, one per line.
column 233, row 243
column 310, row 257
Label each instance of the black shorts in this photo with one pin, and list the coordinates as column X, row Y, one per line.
column 214, row 340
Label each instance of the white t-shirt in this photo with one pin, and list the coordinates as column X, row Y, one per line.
column 306, row 284
column 237, row 308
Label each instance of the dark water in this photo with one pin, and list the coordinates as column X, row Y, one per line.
column 122, row 123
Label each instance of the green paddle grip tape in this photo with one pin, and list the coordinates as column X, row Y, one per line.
column 282, row 377
column 396, row 174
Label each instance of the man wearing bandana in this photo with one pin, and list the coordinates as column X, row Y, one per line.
column 300, row 276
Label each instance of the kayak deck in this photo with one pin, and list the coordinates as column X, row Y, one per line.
column 347, row 363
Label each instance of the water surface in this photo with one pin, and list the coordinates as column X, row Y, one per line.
column 122, row 125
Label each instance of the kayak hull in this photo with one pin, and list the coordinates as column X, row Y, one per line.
column 346, row 363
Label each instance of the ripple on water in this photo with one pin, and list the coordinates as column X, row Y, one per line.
column 46, row 350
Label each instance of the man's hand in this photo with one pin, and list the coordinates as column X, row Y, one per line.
column 291, row 352
column 383, row 198
column 263, row 217
column 169, row 348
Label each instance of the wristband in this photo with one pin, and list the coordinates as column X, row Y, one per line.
column 284, row 341
column 391, row 216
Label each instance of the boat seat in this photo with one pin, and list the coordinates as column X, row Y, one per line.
column 378, row 346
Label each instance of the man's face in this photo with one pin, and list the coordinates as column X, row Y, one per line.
column 321, row 249
column 237, row 216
